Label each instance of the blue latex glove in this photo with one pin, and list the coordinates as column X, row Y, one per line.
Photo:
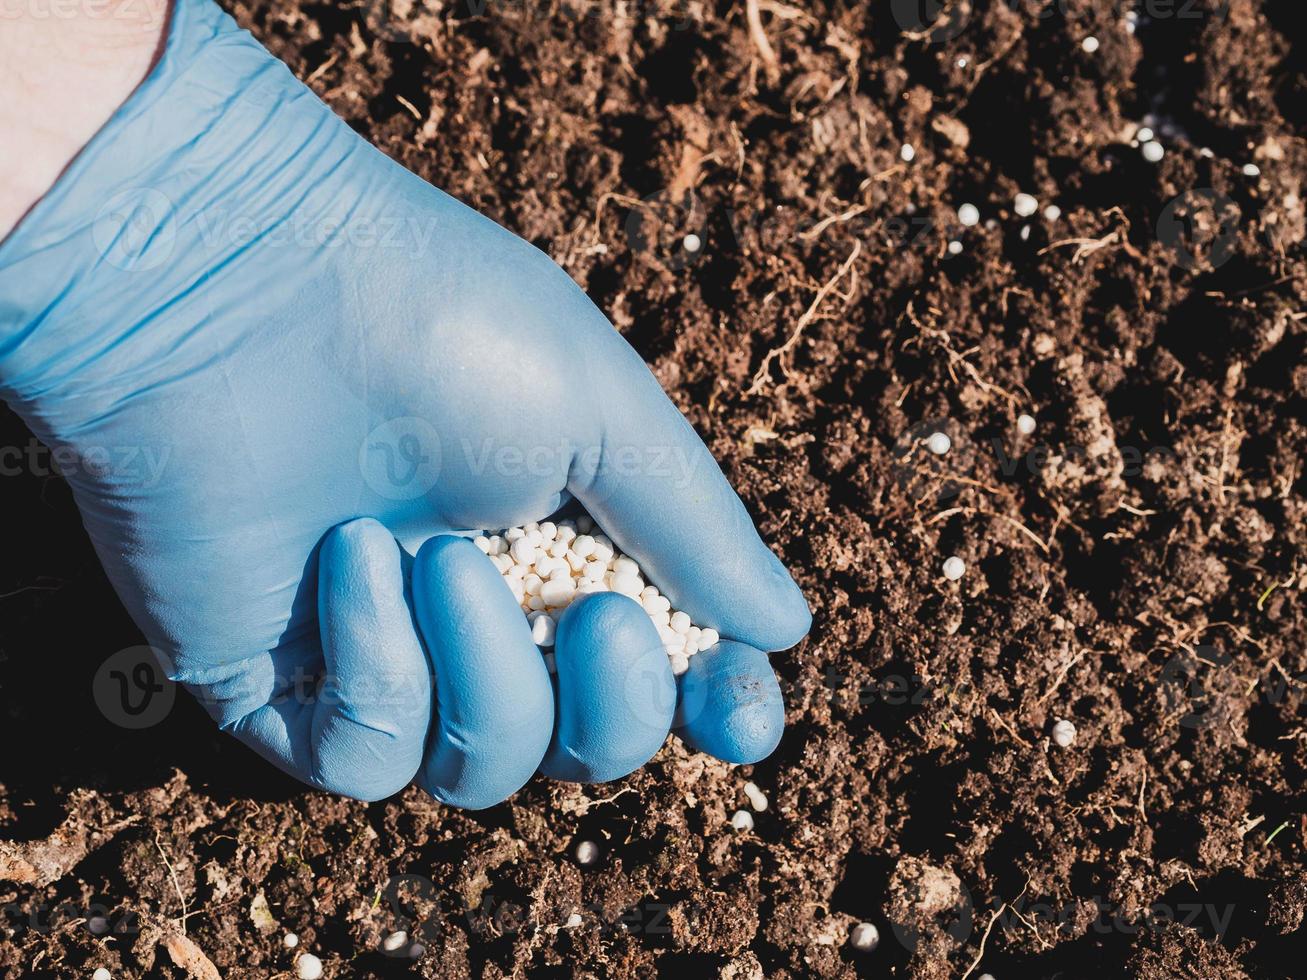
column 289, row 370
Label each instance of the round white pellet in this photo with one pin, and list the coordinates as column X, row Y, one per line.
column 1064, row 733
column 543, row 629
column 1090, row 44
column 1025, row 205
column 656, row 604
column 101, row 974
column 566, row 532
column 557, row 591
column 680, row 622
column 939, row 443
column 512, row 534
column 1251, row 170
column 985, row 976
column 691, row 243
column 394, row 941
column 583, row 546
column 1052, row 212
column 742, row 820
column 969, row 215
column 308, row 967
column 962, row 62
column 624, row 566
column 955, row 248
column 483, row 544
column 1144, row 134
column 708, row 638
column 573, row 921
column 627, row 584
column 98, row 925
column 523, row 551
column 757, row 798
column 680, row 663
column 864, row 936
column 907, row 153
column 1153, row 151
column 1025, row 424
column 587, row 852
column 290, row 940
column 954, row 568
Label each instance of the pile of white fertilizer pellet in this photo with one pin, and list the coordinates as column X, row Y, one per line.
column 548, row 565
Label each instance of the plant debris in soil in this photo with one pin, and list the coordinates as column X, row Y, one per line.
column 1135, row 565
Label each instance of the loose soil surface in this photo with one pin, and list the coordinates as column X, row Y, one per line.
column 1135, row 565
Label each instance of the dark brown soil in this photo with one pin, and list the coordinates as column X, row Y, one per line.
column 1136, row 565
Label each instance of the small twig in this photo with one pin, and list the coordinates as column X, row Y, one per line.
column 175, row 883
column 980, row 954
column 809, row 314
column 759, row 36
column 834, row 219
column 1002, row 722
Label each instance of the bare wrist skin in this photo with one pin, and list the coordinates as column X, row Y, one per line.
column 65, row 67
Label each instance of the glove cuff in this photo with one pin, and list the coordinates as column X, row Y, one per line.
column 217, row 147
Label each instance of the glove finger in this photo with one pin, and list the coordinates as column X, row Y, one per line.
column 494, row 702
column 656, row 489
column 616, row 692
column 373, row 712
column 361, row 731
column 730, row 704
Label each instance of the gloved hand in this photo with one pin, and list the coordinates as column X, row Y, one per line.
column 285, row 366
